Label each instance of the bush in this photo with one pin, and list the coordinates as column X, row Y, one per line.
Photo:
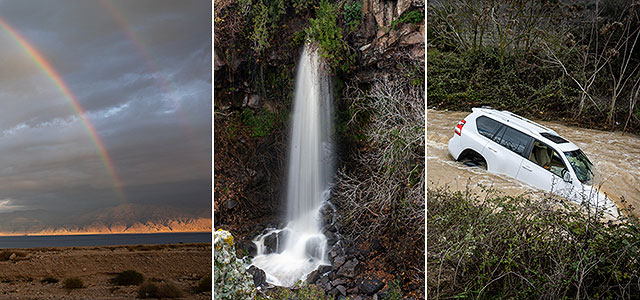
column 410, row 16
column 324, row 30
column 49, row 279
column 527, row 248
column 73, row 283
column 148, row 290
column 128, row 277
column 353, row 14
column 166, row 290
column 262, row 122
column 204, row 285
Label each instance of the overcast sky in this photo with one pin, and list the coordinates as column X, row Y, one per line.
column 140, row 69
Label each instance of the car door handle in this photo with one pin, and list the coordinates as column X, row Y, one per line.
column 527, row 168
column 494, row 150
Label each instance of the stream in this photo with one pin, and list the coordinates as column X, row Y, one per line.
column 616, row 158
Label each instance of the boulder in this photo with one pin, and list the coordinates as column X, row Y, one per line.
column 313, row 277
column 259, row 276
column 350, row 268
column 369, row 285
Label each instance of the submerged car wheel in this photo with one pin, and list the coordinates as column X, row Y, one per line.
column 471, row 158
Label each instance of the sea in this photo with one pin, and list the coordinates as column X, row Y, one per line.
column 103, row 239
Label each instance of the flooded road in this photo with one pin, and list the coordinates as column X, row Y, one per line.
column 616, row 159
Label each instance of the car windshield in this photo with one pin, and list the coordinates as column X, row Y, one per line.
column 581, row 165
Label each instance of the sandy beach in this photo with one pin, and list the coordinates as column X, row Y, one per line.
column 182, row 265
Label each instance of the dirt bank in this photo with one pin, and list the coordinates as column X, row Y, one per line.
column 182, row 265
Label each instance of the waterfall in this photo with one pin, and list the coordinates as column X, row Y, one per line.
column 300, row 247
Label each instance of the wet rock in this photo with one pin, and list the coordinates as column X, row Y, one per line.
column 324, row 269
column 259, row 277
column 274, row 242
column 350, row 268
column 342, row 290
column 331, row 238
column 339, row 281
column 313, row 277
column 247, row 248
column 338, row 262
column 369, row 285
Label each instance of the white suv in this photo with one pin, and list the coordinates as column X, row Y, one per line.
column 506, row 143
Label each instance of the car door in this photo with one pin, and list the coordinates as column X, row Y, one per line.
column 544, row 168
column 505, row 151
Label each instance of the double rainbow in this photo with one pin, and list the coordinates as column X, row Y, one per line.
column 79, row 111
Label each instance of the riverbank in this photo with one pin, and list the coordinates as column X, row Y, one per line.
column 526, row 248
column 30, row 273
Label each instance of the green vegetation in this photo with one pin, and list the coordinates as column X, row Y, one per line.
column 128, row 277
column 324, row 30
column 408, row 17
column 352, row 14
column 49, row 280
column 261, row 122
column 204, row 285
column 73, row 283
column 527, row 248
column 548, row 59
column 394, row 292
column 301, row 291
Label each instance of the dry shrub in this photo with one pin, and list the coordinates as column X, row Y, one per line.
column 73, row 283
column 165, row 290
column 128, row 277
column 380, row 190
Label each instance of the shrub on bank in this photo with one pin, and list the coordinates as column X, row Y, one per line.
column 204, row 285
column 73, row 283
column 49, row 280
column 128, row 277
column 527, row 248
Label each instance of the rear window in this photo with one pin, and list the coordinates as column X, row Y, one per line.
column 487, row 126
column 514, row 140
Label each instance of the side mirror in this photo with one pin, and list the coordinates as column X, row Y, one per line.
column 566, row 176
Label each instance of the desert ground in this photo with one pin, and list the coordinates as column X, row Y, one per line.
column 22, row 270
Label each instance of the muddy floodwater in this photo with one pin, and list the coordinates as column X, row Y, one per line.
column 616, row 159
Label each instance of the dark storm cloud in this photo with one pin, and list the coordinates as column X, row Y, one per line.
column 149, row 99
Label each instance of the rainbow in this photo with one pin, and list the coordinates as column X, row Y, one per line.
column 62, row 86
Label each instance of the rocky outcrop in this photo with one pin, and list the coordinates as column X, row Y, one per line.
column 230, row 277
column 390, row 39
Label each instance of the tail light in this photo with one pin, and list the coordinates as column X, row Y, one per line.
column 459, row 127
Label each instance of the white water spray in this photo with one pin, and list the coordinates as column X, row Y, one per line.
column 300, row 247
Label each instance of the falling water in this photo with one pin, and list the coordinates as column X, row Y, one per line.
column 300, row 247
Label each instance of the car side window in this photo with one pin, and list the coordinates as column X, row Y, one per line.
column 513, row 140
column 546, row 157
column 487, row 126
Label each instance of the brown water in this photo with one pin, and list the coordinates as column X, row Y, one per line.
column 616, row 159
